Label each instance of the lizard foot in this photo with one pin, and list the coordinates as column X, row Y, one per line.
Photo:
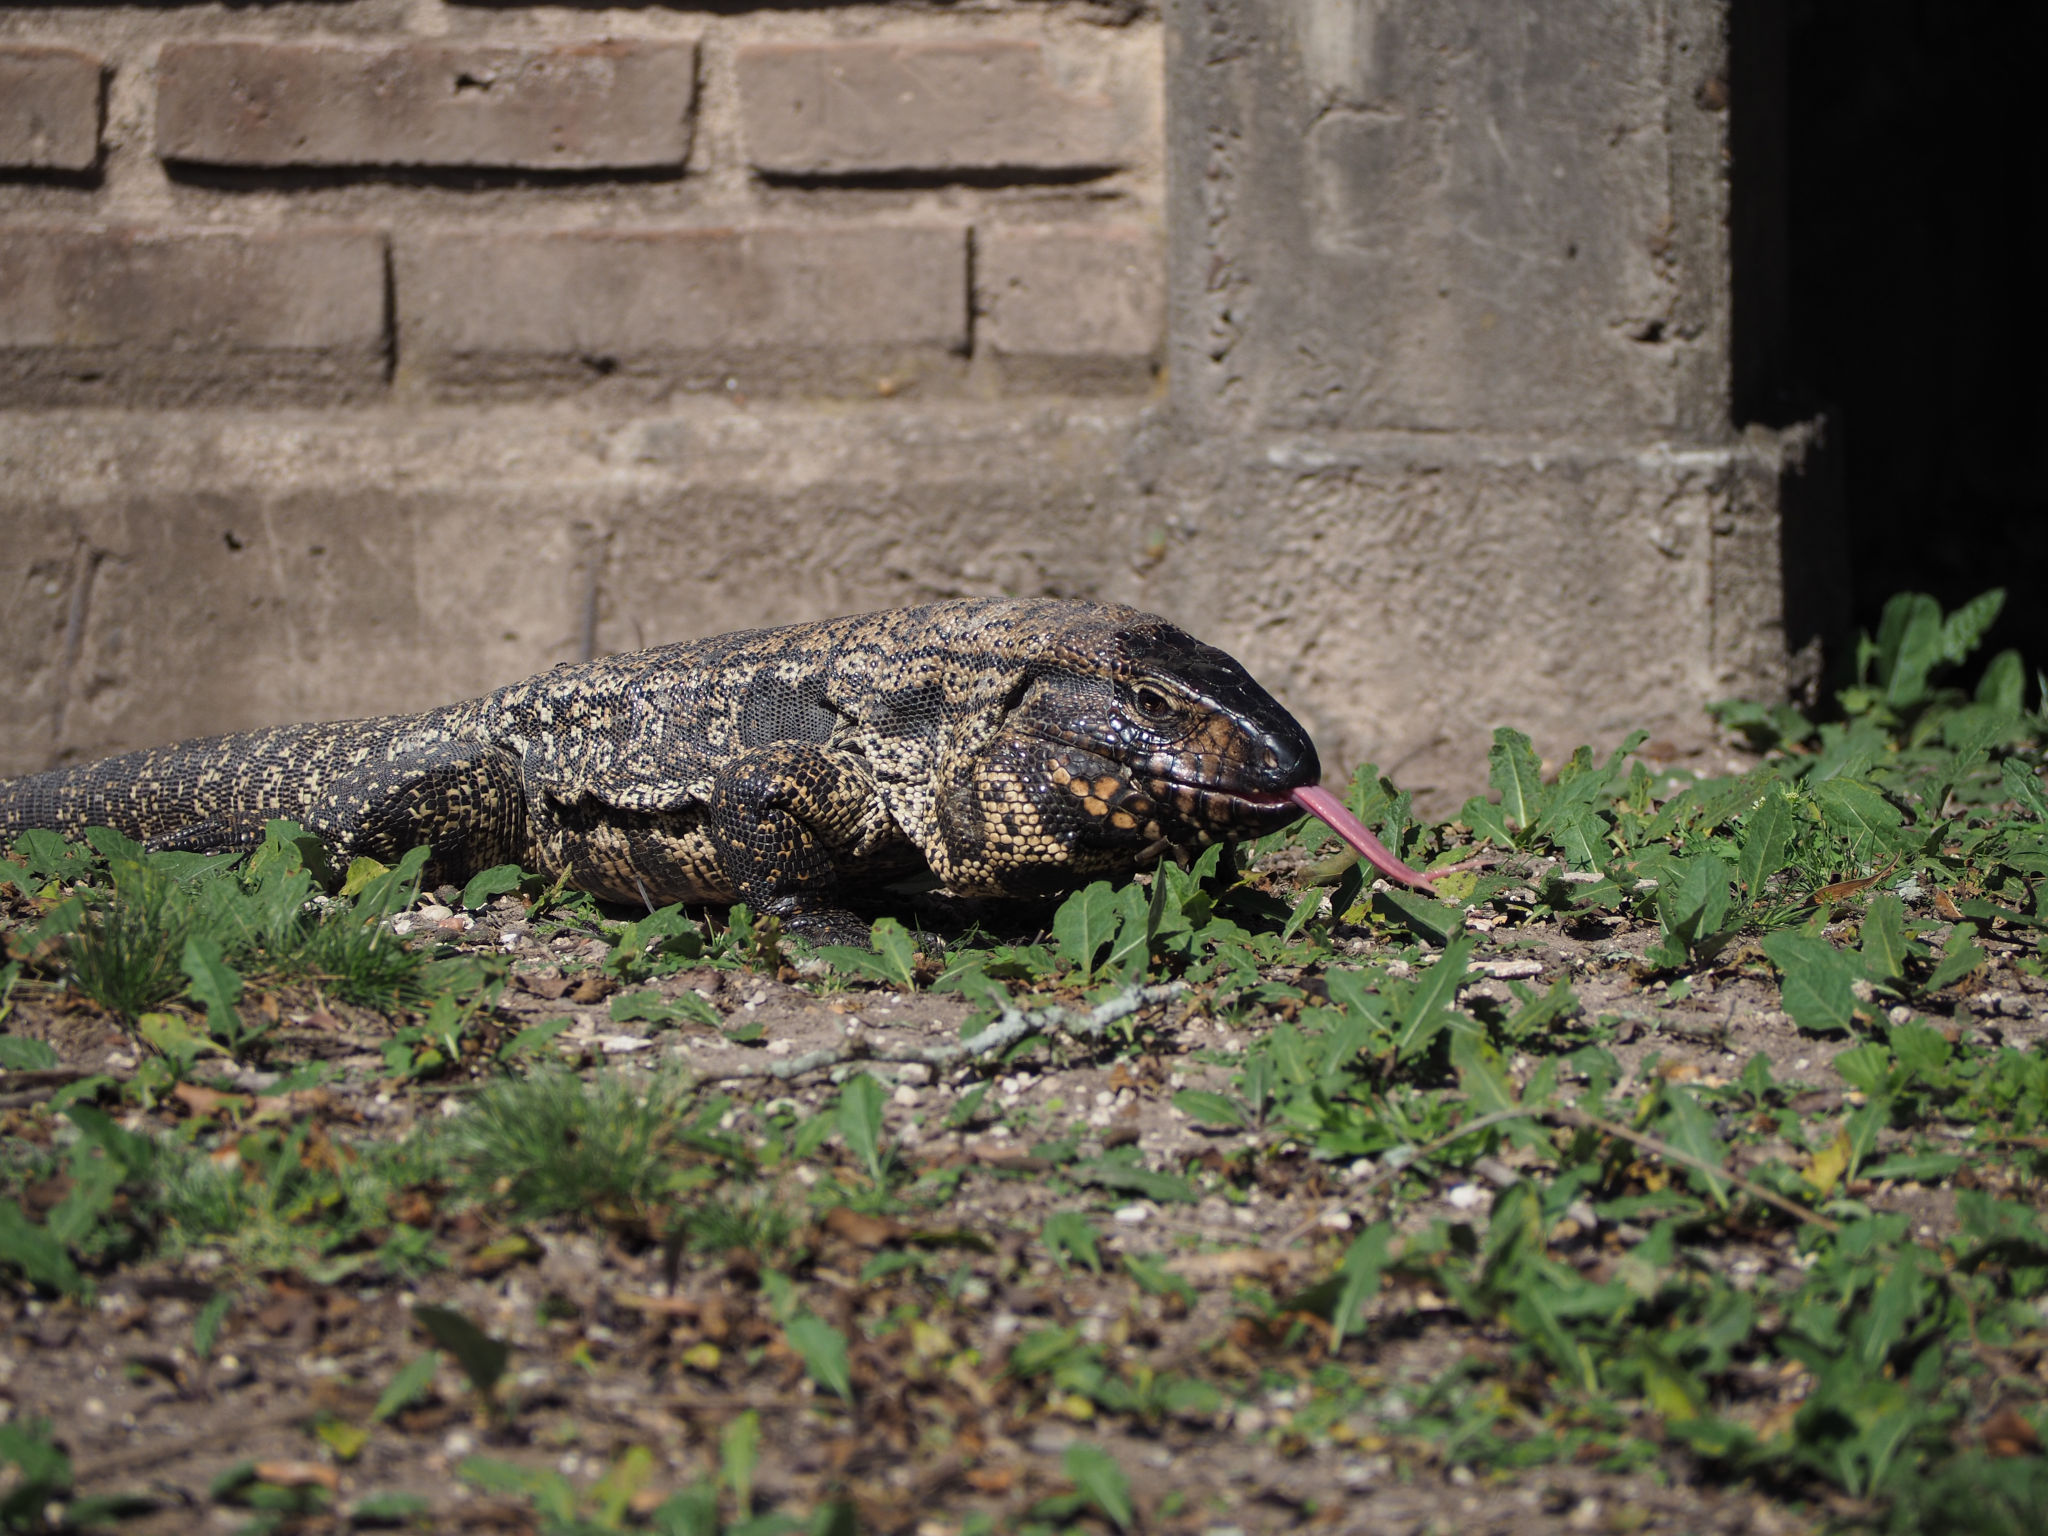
column 826, row 925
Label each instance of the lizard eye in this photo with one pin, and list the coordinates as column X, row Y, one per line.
column 1152, row 704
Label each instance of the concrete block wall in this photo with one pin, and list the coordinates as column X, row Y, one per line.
column 315, row 203
column 357, row 355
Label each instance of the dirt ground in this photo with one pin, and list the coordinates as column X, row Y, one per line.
column 617, row 1344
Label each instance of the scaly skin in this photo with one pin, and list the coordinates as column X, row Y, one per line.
column 1013, row 747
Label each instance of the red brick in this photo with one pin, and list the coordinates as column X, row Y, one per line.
column 586, row 106
column 120, row 312
column 1061, row 291
column 634, row 295
column 49, row 109
column 834, row 109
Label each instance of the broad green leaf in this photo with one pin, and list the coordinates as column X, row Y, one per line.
column 361, row 871
column 1962, row 955
column 1579, row 833
column 346, row 1440
column 860, row 1120
column 495, row 881
column 1909, row 646
column 1863, row 1128
column 206, row 1326
column 2024, row 785
column 1481, row 1075
column 1824, row 1170
column 1085, row 923
column 693, row 1512
column 822, row 1348
column 1866, row 1067
column 552, row 1494
column 898, row 950
column 1211, row 1108
column 739, row 1454
column 1305, row 911
column 1964, row 630
column 32, row 1250
column 1430, row 1002
column 407, row 1387
column 391, row 1506
column 2003, row 686
column 1688, row 1127
column 1674, row 1393
column 1095, row 1473
column 1818, row 981
column 1364, row 1262
column 1926, row 1167
column 215, row 984
column 1155, row 1279
column 1766, row 833
column 1487, row 822
column 1071, row 1233
column 18, row 1053
column 1885, row 947
column 1433, row 920
column 1516, row 771
column 1134, row 1178
column 482, row 1358
column 1861, row 817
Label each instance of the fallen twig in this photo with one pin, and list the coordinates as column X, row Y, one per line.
column 1579, row 1119
column 1015, row 1024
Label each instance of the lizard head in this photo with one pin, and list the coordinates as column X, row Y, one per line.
column 1130, row 738
column 1149, row 739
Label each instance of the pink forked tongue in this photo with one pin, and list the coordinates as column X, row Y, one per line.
column 1327, row 808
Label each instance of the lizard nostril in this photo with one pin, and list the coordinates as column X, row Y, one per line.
column 1272, row 758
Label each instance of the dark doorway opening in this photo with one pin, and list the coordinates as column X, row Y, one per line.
column 1914, row 292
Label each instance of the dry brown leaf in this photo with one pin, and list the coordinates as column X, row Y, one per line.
column 860, row 1230
column 208, row 1101
column 1203, row 1270
column 2007, row 1433
column 297, row 1474
column 660, row 1306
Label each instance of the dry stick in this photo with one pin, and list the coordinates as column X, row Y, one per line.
column 1579, row 1118
column 1014, row 1025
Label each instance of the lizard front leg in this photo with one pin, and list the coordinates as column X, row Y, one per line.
column 787, row 823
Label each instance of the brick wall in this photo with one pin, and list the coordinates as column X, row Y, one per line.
column 361, row 201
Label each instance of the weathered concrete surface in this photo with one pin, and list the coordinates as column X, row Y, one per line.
column 214, row 571
column 1446, row 442
column 1449, row 215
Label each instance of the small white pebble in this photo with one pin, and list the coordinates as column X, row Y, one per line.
column 450, row 1108
column 433, row 912
column 905, row 1095
column 781, row 1047
column 1464, row 1197
column 458, row 1443
column 915, row 1073
column 623, row 1045
column 1137, row 1211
